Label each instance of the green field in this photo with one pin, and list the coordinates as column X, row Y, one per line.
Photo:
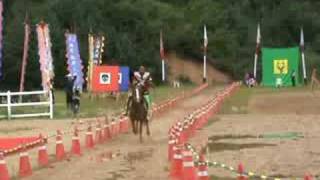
column 99, row 105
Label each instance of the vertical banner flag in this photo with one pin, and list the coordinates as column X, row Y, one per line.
column 96, row 45
column 205, row 46
column 90, row 63
column 44, row 45
column 256, row 54
column 74, row 61
column 303, row 56
column 124, row 80
column 98, row 49
column 162, row 56
column 25, row 54
column 105, row 79
column 1, row 36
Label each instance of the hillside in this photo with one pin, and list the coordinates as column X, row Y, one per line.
column 191, row 68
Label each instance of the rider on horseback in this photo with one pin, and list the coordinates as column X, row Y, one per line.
column 143, row 78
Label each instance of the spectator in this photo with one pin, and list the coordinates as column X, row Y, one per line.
column 76, row 101
column 293, row 78
column 52, row 90
column 69, row 90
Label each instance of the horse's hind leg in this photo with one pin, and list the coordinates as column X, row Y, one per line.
column 148, row 128
column 140, row 130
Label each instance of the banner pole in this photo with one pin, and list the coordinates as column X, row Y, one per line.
column 304, row 68
column 163, row 71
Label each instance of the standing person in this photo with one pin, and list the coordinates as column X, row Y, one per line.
column 76, row 101
column 246, row 79
column 69, row 90
column 293, row 78
column 52, row 90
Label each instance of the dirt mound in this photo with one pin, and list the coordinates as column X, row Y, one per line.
column 193, row 70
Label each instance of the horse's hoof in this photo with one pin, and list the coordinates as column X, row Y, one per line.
column 148, row 133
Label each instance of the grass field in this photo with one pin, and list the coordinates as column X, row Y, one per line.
column 103, row 104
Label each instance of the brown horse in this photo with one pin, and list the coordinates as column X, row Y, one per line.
column 138, row 110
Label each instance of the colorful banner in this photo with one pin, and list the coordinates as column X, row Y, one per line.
column 98, row 49
column 105, row 79
column 74, row 61
column 44, row 45
column 124, row 79
column 96, row 45
column 278, row 66
column 1, row 36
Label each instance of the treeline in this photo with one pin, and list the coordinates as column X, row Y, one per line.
column 132, row 30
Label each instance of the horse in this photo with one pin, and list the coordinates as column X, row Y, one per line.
column 138, row 110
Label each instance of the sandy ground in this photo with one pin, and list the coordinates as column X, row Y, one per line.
column 237, row 138
column 134, row 161
column 233, row 139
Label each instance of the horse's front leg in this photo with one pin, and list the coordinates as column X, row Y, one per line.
column 134, row 127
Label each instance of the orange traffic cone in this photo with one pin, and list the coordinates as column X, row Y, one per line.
column 60, row 154
column 43, row 159
column 308, row 177
column 203, row 169
column 24, row 165
column 176, row 165
column 171, row 149
column 89, row 138
column 122, row 125
column 126, row 124
column 113, row 128
column 189, row 170
column 98, row 134
column 241, row 172
column 105, row 132
column 75, row 148
column 4, row 174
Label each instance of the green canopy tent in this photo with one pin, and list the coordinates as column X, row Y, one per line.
column 278, row 64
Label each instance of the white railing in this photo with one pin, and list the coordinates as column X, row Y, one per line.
column 9, row 105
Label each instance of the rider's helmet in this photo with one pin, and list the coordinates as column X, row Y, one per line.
column 142, row 69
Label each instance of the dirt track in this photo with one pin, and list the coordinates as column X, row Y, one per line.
column 135, row 161
column 237, row 138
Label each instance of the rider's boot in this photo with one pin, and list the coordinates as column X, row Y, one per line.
column 149, row 107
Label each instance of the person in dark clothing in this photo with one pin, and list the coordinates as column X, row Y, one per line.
column 69, row 89
column 52, row 91
column 293, row 78
column 131, row 76
column 76, row 102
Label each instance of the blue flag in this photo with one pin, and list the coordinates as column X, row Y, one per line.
column 124, row 78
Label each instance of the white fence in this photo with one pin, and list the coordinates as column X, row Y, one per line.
column 11, row 103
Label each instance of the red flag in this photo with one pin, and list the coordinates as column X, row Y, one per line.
column 301, row 40
column 105, row 78
column 258, row 40
column 205, row 38
column 161, row 47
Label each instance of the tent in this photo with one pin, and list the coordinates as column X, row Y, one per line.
column 278, row 64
